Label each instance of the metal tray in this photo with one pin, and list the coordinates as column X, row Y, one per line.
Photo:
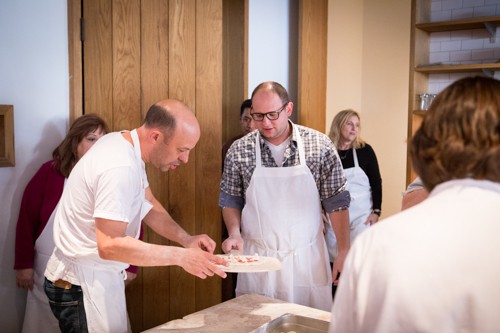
column 294, row 323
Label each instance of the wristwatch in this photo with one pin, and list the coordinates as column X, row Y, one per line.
column 377, row 212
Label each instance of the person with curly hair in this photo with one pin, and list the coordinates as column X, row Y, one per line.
column 434, row 267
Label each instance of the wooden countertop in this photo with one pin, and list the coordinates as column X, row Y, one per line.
column 241, row 314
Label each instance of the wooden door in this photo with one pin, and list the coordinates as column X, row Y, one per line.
column 136, row 52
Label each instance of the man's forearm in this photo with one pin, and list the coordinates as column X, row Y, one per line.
column 232, row 218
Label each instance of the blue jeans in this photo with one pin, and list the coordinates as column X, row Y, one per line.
column 67, row 306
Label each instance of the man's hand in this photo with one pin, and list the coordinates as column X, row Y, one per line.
column 201, row 263
column 234, row 242
column 338, row 265
column 200, row 241
column 24, row 278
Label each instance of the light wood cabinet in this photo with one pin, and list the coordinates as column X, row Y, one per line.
column 421, row 68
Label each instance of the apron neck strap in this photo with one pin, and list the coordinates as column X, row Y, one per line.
column 355, row 157
column 258, row 159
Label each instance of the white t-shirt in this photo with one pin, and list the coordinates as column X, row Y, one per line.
column 432, row 268
column 108, row 182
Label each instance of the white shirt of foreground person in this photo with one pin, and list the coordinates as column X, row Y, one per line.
column 120, row 195
column 432, row 268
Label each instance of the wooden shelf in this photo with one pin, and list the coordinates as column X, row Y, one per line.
column 419, row 112
column 457, row 68
column 474, row 23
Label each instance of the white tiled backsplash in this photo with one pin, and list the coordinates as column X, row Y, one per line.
column 464, row 46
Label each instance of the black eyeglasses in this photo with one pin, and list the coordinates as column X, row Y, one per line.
column 273, row 115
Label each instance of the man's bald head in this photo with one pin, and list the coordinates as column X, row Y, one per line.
column 167, row 115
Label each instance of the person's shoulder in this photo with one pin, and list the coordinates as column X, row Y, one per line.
column 245, row 140
column 49, row 168
column 366, row 150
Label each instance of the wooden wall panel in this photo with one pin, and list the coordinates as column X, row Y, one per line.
column 234, row 65
column 208, row 149
column 126, row 64
column 136, row 53
column 75, row 60
column 155, row 281
column 98, row 60
column 313, row 28
column 182, row 183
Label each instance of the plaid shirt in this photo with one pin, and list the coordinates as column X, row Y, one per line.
column 321, row 158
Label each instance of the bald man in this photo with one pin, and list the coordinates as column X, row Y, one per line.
column 97, row 224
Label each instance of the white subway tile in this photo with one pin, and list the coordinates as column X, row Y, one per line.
column 460, row 56
column 444, row 85
column 441, row 77
column 485, row 54
column 451, row 4
column 440, row 36
column 485, row 11
column 451, row 46
column 444, row 15
column 492, row 2
column 439, row 57
column 435, row 47
column 473, row 3
column 436, row 6
column 462, row 13
column 472, row 44
column 491, row 43
column 461, row 34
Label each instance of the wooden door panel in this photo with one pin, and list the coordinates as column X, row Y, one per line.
column 138, row 52
column 98, row 60
column 182, row 80
column 126, row 64
column 154, row 83
column 208, row 150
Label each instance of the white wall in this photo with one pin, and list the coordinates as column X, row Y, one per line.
column 368, row 70
column 33, row 78
column 269, row 44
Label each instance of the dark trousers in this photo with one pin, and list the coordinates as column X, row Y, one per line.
column 67, row 305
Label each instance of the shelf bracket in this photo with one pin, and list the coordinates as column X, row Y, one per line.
column 488, row 72
column 492, row 30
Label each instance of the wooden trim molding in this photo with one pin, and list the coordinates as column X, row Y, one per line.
column 7, row 156
column 75, row 59
column 312, row 57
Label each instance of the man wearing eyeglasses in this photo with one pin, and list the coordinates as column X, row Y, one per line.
column 275, row 182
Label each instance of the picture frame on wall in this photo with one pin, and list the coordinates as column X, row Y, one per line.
column 7, row 156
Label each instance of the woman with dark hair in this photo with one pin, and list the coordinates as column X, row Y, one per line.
column 34, row 239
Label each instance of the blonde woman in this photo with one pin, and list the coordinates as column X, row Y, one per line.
column 362, row 172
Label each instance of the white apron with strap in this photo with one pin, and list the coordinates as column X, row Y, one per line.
column 282, row 219
column 103, row 289
column 360, row 208
column 38, row 316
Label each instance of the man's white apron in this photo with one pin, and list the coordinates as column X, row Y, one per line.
column 282, row 219
column 103, row 288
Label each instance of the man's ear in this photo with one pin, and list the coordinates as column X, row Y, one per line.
column 155, row 136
